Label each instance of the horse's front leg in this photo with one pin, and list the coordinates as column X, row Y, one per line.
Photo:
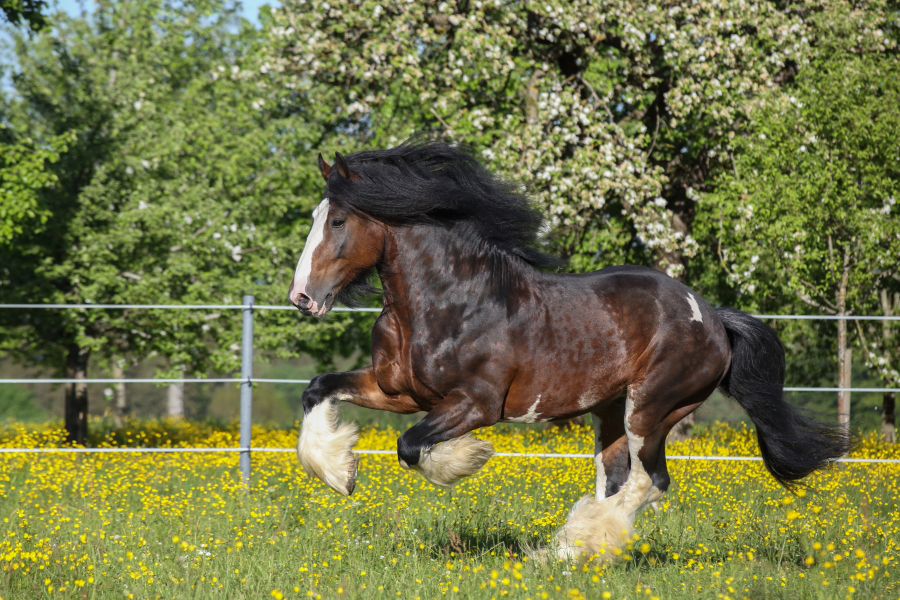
column 325, row 444
column 440, row 447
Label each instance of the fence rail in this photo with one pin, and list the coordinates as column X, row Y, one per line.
column 389, row 453
column 866, row 390
column 341, row 309
column 247, row 380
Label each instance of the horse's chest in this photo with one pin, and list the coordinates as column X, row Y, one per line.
column 401, row 367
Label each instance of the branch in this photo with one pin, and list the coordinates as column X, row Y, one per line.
column 821, row 304
column 828, row 306
column 831, row 258
column 438, row 117
column 809, row 300
column 870, row 358
column 655, row 132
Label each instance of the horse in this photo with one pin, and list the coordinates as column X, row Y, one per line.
column 480, row 327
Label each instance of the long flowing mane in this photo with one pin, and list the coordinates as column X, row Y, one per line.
column 436, row 183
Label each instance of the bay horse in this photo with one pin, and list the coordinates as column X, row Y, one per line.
column 476, row 330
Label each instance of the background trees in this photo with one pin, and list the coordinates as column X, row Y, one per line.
column 616, row 114
column 163, row 153
column 24, row 12
column 806, row 209
column 176, row 188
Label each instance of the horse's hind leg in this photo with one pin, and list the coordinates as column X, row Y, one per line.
column 601, row 527
column 439, row 446
column 610, row 448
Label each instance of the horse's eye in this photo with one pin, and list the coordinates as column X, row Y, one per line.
column 336, row 223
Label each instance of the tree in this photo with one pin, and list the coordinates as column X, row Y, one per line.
column 180, row 187
column 614, row 113
column 881, row 352
column 23, row 174
column 27, row 11
column 809, row 209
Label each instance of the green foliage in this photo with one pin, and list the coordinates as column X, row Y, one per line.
column 615, row 113
column 810, row 209
column 17, row 404
column 23, row 174
column 181, row 184
column 25, row 11
column 180, row 188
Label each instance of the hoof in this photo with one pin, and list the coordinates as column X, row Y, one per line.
column 594, row 531
column 446, row 463
column 325, row 448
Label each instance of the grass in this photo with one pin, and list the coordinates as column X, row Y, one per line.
column 182, row 526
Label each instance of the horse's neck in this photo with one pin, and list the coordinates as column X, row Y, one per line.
column 424, row 262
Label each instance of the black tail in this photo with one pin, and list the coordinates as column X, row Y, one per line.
column 792, row 443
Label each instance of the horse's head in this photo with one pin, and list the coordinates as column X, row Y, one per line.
column 341, row 247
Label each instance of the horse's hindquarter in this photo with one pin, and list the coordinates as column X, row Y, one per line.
column 588, row 337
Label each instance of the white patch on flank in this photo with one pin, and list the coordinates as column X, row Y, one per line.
column 531, row 416
column 586, row 399
column 304, row 265
column 325, row 447
column 695, row 308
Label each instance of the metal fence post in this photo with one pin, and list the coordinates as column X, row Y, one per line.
column 246, row 387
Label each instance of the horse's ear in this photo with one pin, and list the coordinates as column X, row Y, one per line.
column 341, row 165
column 324, row 167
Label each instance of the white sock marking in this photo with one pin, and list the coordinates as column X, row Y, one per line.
column 325, row 447
column 695, row 309
column 600, row 489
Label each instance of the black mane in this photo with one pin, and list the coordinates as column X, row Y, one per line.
column 436, row 183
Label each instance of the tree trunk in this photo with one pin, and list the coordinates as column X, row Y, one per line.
column 175, row 406
column 76, row 395
column 889, row 400
column 844, row 370
column 845, row 360
column 120, row 411
column 888, row 423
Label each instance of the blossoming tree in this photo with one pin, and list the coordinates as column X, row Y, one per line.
column 810, row 206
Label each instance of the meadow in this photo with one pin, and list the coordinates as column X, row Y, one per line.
column 182, row 526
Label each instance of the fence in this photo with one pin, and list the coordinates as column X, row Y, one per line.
column 246, row 380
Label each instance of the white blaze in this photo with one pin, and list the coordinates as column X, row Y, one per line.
column 304, row 265
column 695, row 309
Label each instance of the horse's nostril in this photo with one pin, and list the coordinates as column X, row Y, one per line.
column 303, row 301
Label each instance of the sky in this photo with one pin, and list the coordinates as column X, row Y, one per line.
column 74, row 7
column 251, row 7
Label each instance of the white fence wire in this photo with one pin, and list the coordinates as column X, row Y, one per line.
column 247, row 380
column 388, row 453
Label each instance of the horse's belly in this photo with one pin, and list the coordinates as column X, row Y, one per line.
column 559, row 400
